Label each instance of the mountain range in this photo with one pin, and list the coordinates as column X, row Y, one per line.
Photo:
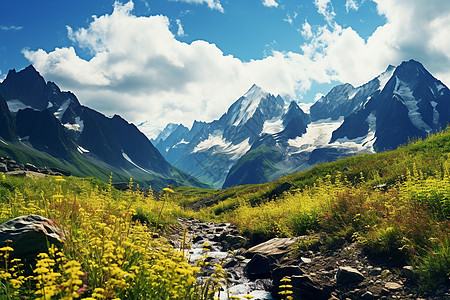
column 263, row 137
column 43, row 125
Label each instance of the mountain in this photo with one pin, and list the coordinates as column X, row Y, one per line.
column 38, row 117
column 402, row 103
column 412, row 104
column 209, row 150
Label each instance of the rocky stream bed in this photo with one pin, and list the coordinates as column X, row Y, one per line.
column 345, row 273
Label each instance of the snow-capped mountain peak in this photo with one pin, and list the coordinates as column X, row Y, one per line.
column 247, row 105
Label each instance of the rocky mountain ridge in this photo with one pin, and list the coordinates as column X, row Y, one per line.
column 262, row 137
column 38, row 116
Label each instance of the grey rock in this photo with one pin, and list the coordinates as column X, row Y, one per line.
column 3, row 168
column 29, row 236
column 306, row 288
column 375, row 271
column 260, row 266
column 392, row 286
column 348, row 275
column 305, row 260
column 283, row 271
column 30, row 167
column 235, row 242
column 276, row 247
column 367, row 296
column 276, row 192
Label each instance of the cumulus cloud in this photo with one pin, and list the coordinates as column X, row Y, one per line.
column 213, row 4
column 140, row 70
column 270, row 3
column 325, row 8
column 351, row 5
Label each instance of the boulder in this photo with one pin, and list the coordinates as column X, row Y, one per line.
column 306, row 288
column 30, row 235
column 348, row 275
column 276, row 247
column 276, row 192
column 281, row 272
column 30, row 167
column 260, row 266
column 3, row 168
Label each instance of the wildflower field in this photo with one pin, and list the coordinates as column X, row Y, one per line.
column 394, row 204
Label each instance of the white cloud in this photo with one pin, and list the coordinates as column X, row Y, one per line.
column 141, row 71
column 10, row 27
column 325, row 8
column 213, row 4
column 289, row 18
column 180, row 31
column 270, row 3
column 306, row 30
column 351, row 5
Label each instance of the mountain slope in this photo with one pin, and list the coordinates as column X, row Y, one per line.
column 402, row 103
column 56, row 125
column 209, row 150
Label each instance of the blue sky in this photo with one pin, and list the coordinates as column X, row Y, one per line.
column 166, row 61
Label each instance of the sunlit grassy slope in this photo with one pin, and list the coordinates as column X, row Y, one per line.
column 394, row 205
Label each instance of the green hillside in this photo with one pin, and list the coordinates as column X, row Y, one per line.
column 393, row 205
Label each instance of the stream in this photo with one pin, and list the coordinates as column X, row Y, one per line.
column 219, row 238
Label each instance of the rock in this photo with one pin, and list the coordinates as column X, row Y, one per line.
column 121, row 186
column 29, row 236
column 30, row 167
column 3, row 168
column 234, row 242
column 276, row 247
column 260, row 266
column 348, row 275
column 281, row 272
column 408, row 272
column 392, row 286
column 285, row 186
column 305, row 288
column 63, row 173
column 230, row 264
column 367, row 296
column 17, row 173
column 197, row 239
column 375, row 271
column 305, row 260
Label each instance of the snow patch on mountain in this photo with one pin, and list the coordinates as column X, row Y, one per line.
column 130, row 161
column 62, row 109
column 238, row 150
column 353, row 94
column 384, row 77
column 272, row 126
column 435, row 113
column 317, row 134
column 82, row 150
column 77, row 126
column 248, row 104
column 214, row 140
column 404, row 93
column 3, row 142
column 49, row 105
column 14, row 105
column 364, row 143
column 306, row 106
